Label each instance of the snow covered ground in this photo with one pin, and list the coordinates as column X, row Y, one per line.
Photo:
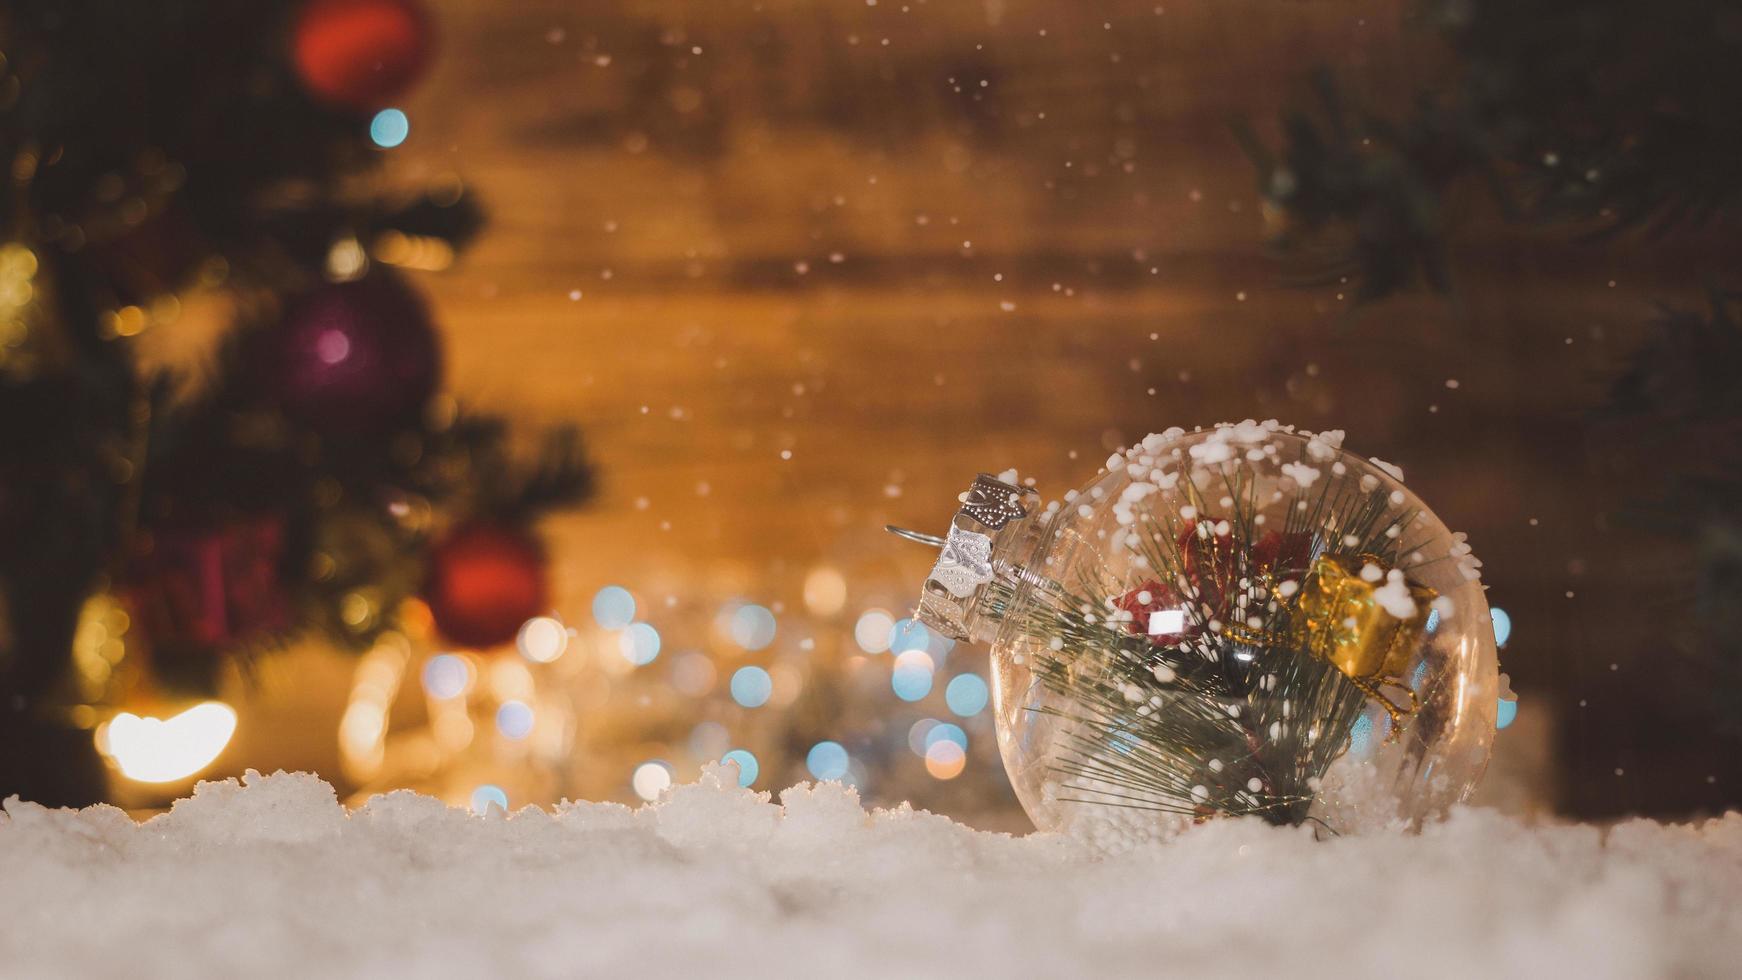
column 274, row 878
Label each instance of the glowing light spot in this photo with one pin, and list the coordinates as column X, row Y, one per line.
column 748, row 768
column 1506, row 715
column 446, row 675
column 542, row 639
column 908, row 634
column 911, row 678
column 613, row 607
column 1502, row 625
column 825, row 591
column 827, row 760
column 871, row 632
column 751, row 686
column 945, row 760
column 966, row 695
column 514, row 719
column 639, row 644
column 651, row 779
column 916, row 735
column 164, row 750
column 332, row 346
column 708, row 739
column 487, row 796
column 752, row 626
column 945, row 731
column 693, row 674
column 389, row 128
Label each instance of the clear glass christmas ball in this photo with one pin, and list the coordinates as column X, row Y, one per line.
column 1245, row 620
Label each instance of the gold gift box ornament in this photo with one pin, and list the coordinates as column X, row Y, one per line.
column 1341, row 620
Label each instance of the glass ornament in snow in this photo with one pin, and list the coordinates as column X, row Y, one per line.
column 1245, row 620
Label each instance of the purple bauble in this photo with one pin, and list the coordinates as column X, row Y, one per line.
column 352, row 355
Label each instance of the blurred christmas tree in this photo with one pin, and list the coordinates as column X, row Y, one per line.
column 307, row 475
column 1596, row 117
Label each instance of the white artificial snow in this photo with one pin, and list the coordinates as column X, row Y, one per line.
column 275, row 878
column 1394, row 597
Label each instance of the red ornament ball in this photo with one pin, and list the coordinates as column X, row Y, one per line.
column 352, row 356
column 360, row 54
column 485, row 580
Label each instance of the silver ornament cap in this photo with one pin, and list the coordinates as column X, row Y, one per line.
column 980, row 560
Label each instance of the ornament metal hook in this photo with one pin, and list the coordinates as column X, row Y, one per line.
column 920, row 536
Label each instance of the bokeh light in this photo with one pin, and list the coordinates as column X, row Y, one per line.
column 164, row 750
column 917, row 733
column 486, row 796
column 651, row 778
column 639, row 643
column 542, row 639
column 514, row 719
column 751, row 686
column 908, row 634
column 693, row 673
column 944, row 731
column 1502, row 625
column 446, row 676
column 825, row 591
column 613, row 607
column 752, row 626
column 911, row 679
column 1506, row 714
column 748, row 768
column 389, row 128
column 945, row 759
column 708, row 739
column 827, row 760
column 966, row 694
column 871, row 632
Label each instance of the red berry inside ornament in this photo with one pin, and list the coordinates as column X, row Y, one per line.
column 351, row 356
column 360, row 54
column 485, row 580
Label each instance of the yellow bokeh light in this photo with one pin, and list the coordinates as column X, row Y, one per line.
column 825, row 591
column 165, row 750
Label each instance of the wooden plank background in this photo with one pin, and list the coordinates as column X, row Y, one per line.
column 803, row 267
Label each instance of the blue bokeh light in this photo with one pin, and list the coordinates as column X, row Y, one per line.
column 514, row 719
column 827, row 760
column 752, row 626
column 908, row 634
column 748, row 767
column 613, row 607
column 911, row 681
column 639, row 644
column 1502, row 625
column 946, row 732
column 966, row 695
column 752, row 687
column 485, row 795
column 1506, row 715
column 446, row 676
column 389, row 128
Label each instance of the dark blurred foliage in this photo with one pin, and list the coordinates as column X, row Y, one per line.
column 151, row 148
column 1598, row 117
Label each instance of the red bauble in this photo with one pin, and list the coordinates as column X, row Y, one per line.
column 354, row 356
column 485, row 580
column 360, row 54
